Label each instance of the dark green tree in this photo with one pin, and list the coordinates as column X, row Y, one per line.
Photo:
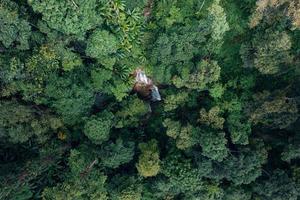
column 15, row 30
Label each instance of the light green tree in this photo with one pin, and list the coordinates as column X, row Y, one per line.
column 100, row 44
column 149, row 163
column 206, row 73
column 184, row 136
column 212, row 117
column 173, row 101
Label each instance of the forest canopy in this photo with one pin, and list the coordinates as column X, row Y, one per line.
column 74, row 125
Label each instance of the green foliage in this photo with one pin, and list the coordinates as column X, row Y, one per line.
column 30, row 177
column 19, row 123
column 70, row 60
column 22, row 192
column 263, row 8
column 279, row 186
column 97, row 128
column 218, row 16
column 213, row 144
column 238, row 128
column 126, row 188
column 120, row 89
column 219, row 25
column 71, row 101
column 211, row 192
column 133, row 111
column 132, row 4
column 272, row 53
column 113, row 155
column 182, row 176
column 101, row 44
column 70, row 17
column 244, row 168
column 290, row 152
column 100, row 77
column 274, row 111
column 207, row 72
column 126, row 24
column 183, row 135
column 216, row 91
column 81, row 184
column 149, row 163
column 174, row 101
column 15, row 31
column 180, row 45
column 226, row 128
column 35, row 71
column 237, row 193
column 212, row 118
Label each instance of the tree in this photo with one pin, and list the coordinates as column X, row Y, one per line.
column 243, row 168
column 83, row 182
column 213, row 144
column 133, row 110
column 97, row 128
column 184, row 135
column 101, row 44
column 183, row 177
column 290, row 152
column 212, row 118
column 15, row 31
column 293, row 9
column 27, row 75
column 226, row 128
column 125, row 188
column 173, row 101
column 69, row 17
column 100, row 78
column 113, row 155
column 217, row 91
column 20, row 123
column 210, row 191
column 148, row 164
column 274, row 111
column 69, row 59
column 207, row 72
column 272, row 53
column 69, row 97
column 239, row 128
column 279, row 186
column 219, row 26
column 238, row 193
column 31, row 176
column 127, row 24
column 184, row 41
column 283, row 8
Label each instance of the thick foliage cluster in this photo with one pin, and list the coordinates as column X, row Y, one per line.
column 227, row 128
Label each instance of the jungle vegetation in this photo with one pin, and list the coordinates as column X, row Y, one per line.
column 227, row 127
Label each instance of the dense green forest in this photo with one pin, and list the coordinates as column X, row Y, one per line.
column 227, row 126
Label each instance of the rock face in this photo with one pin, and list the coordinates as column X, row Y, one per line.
column 144, row 86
